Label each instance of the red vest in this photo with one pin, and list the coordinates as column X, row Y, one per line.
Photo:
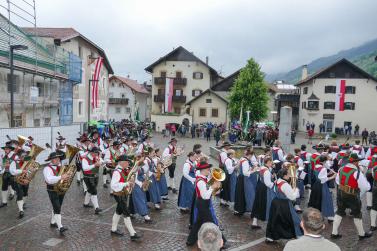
column 55, row 172
column 280, row 184
column 314, row 160
column 123, row 175
column 196, row 186
column 346, row 177
column 90, row 162
column 296, row 158
column 262, row 171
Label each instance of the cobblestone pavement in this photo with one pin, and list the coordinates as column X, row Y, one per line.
column 169, row 231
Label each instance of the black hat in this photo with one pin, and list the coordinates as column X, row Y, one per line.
column 95, row 150
column 8, row 145
column 54, row 155
column 322, row 158
column 30, row 138
column 203, row 165
column 226, row 143
column 173, row 140
column 354, row 157
column 303, row 147
column 345, row 146
column 84, row 138
column 60, row 137
column 123, row 158
column 93, row 132
column 319, row 147
column 116, row 143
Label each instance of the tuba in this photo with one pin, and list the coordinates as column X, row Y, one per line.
column 292, row 173
column 63, row 185
column 217, row 174
column 31, row 166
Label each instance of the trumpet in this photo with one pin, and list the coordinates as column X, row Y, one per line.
column 217, row 174
column 292, row 172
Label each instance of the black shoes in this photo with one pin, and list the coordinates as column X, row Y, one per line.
column 174, row 190
column 224, row 204
column 255, row 227
column 169, row 188
column 3, row 205
column 78, row 182
column 116, row 233
column 365, row 236
column 21, row 215
column 373, row 228
column 369, row 208
column 335, row 236
column 105, row 186
column 11, row 196
column 87, row 206
column 53, row 225
column 225, row 246
column 165, row 198
column 98, row 210
column 62, row 230
column 237, row 213
column 149, row 221
column 135, row 237
column 184, row 211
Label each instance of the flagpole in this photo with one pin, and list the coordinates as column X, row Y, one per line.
column 89, row 89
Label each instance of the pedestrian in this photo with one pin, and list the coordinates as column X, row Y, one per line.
column 193, row 131
column 208, row 133
column 350, row 130
column 313, row 225
column 312, row 126
column 345, row 129
column 209, row 237
column 364, row 136
column 307, row 126
column 310, row 136
column 173, row 130
column 357, row 128
column 217, row 135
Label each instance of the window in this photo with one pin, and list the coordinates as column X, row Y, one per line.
column 349, row 106
column 177, row 110
column 16, row 86
column 112, row 84
column 47, row 121
column 350, row 89
column 208, row 101
column 163, row 74
column 196, row 92
column 178, row 74
column 17, row 121
column 128, row 110
column 202, row 112
column 123, row 95
column 80, row 108
column 80, row 52
column 303, row 105
column 37, row 122
column 197, row 75
column 305, row 90
column 119, row 85
column 41, row 90
column 329, row 105
column 117, row 110
column 330, row 89
column 215, row 112
column 178, row 92
column 313, row 105
column 161, row 91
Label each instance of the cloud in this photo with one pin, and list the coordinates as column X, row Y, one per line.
column 279, row 34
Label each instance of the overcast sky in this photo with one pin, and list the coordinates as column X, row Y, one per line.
column 280, row 34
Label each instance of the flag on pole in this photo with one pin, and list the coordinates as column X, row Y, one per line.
column 95, row 80
column 241, row 116
column 340, row 94
column 168, row 94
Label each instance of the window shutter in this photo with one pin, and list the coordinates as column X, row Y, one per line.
column 193, row 93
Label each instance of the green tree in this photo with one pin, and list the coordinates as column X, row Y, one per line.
column 251, row 92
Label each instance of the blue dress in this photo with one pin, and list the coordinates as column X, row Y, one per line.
column 250, row 184
column 263, row 199
column 139, row 198
column 186, row 189
column 154, row 190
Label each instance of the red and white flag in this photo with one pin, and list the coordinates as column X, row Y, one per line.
column 95, row 79
column 340, row 94
column 168, row 94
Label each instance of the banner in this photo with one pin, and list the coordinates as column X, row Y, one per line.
column 168, row 94
column 340, row 94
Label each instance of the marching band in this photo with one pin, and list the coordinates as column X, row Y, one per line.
column 270, row 186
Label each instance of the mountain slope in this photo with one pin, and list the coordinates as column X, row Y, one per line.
column 363, row 56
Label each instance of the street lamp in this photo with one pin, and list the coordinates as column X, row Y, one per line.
column 17, row 47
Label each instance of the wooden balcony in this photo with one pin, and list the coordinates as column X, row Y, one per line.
column 177, row 81
column 118, row 101
column 177, row 99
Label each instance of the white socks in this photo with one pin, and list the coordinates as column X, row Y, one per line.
column 58, row 219
column 157, row 206
column 336, row 224
column 373, row 216
column 146, row 217
column 255, row 222
column 11, row 190
column 172, row 183
column 4, row 197
column 359, row 226
column 87, row 198
column 104, row 178
column 78, row 176
column 297, row 207
column 53, row 221
column 130, row 228
column 369, row 199
column 94, row 200
column 20, row 204
column 330, row 218
column 114, row 225
column 84, row 187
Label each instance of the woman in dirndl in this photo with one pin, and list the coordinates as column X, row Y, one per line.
column 186, row 187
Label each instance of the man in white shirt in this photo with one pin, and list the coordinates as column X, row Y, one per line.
column 52, row 176
column 169, row 152
column 7, row 158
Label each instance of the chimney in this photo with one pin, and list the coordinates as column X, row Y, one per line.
column 304, row 73
column 207, row 60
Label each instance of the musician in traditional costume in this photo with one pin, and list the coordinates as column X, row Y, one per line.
column 372, row 171
column 264, row 193
column 161, row 182
column 223, row 154
column 107, row 143
column 301, row 174
column 277, row 155
column 97, row 141
column 111, row 154
column 169, row 152
column 283, row 221
column 7, row 179
column 118, row 184
column 84, row 145
column 144, row 145
column 246, row 183
column 153, row 189
column 266, row 153
column 203, row 210
column 313, row 161
column 139, row 197
column 186, row 187
column 61, row 144
column 52, row 177
column 352, row 184
column 91, row 163
column 321, row 196
column 21, row 190
column 358, row 149
column 228, row 190
column 28, row 144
